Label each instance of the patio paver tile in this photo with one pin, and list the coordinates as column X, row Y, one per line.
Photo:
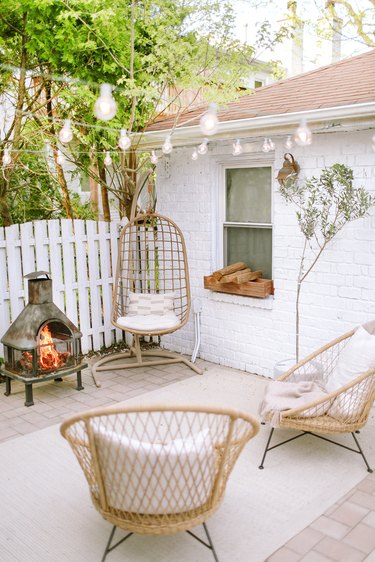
column 363, row 499
column 330, row 527
column 349, row 513
column 361, row 537
column 314, row 556
column 305, row 540
column 369, row 519
column 284, row 554
column 338, row 551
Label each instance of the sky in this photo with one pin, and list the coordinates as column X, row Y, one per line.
column 316, row 52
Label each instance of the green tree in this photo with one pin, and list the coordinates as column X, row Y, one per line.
column 144, row 48
column 324, row 205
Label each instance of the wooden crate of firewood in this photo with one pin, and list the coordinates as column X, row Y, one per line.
column 239, row 279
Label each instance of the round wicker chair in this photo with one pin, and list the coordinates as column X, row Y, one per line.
column 346, row 410
column 158, row 470
column 151, row 295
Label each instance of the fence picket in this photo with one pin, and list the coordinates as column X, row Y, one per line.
column 81, row 257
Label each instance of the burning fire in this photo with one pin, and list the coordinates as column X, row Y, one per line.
column 49, row 357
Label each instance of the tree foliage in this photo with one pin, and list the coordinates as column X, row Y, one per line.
column 55, row 53
column 324, row 205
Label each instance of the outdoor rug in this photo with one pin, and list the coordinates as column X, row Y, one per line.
column 47, row 515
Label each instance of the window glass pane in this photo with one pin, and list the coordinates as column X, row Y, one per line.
column 250, row 245
column 248, row 195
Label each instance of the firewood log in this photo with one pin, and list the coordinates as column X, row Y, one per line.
column 229, row 269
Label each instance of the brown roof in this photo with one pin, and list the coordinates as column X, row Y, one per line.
column 348, row 82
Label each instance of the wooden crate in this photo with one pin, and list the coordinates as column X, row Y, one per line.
column 258, row 288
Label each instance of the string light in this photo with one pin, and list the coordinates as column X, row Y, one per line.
column 209, row 122
column 303, row 135
column 265, row 146
column 105, row 106
column 66, row 133
column 194, row 154
column 289, row 143
column 167, row 146
column 124, row 141
column 237, row 148
column 271, row 144
column 107, row 159
column 154, row 157
column 373, row 142
column 60, row 158
column 203, row 148
column 6, row 157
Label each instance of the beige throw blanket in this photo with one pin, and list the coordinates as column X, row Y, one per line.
column 280, row 396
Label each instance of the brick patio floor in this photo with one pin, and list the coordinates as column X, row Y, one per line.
column 344, row 533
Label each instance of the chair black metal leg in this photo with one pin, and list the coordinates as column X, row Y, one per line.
column 109, row 548
column 266, row 449
column 209, row 544
column 8, row 386
column 361, row 453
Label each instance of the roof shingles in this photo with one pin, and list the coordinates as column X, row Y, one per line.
column 350, row 81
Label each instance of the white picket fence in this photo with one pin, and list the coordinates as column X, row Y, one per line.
column 81, row 259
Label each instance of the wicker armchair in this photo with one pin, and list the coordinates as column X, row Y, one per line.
column 345, row 410
column 160, row 469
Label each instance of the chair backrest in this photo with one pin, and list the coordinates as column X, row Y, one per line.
column 152, row 260
column 158, row 469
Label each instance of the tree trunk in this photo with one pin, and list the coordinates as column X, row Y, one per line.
column 94, row 190
column 66, row 202
column 16, row 134
column 297, row 319
column 104, row 191
column 130, row 182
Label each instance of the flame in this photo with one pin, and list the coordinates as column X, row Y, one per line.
column 49, row 357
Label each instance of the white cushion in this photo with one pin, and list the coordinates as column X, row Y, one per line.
column 150, row 303
column 156, row 478
column 149, row 322
column 357, row 357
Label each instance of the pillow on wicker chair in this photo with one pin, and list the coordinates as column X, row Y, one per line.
column 142, row 304
column 357, row 357
column 156, row 478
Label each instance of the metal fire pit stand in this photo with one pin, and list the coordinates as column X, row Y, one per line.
column 29, row 381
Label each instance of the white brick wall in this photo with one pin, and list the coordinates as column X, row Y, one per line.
column 253, row 334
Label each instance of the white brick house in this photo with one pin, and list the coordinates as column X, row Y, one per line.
column 253, row 334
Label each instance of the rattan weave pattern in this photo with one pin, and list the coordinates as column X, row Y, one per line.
column 195, row 473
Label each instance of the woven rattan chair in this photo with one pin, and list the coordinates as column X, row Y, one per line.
column 346, row 410
column 151, row 294
column 158, row 470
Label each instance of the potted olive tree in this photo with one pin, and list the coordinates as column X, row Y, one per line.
column 324, row 205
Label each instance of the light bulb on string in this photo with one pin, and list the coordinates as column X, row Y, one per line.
column 107, row 159
column 6, row 157
column 237, row 148
column 289, row 142
column 60, row 158
column 203, row 148
column 124, row 141
column 271, row 144
column 105, row 106
column 303, row 135
column 167, row 146
column 194, row 154
column 66, row 133
column 154, row 158
column 209, row 121
column 266, row 147
column 373, row 142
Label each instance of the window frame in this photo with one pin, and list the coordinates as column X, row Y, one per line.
column 222, row 223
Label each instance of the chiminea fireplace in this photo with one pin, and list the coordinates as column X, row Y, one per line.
column 42, row 343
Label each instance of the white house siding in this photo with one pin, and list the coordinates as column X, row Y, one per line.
column 253, row 334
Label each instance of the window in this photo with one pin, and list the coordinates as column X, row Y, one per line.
column 247, row 227
column 258, row 83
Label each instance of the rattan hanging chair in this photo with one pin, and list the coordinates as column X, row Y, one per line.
column 151, row 294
